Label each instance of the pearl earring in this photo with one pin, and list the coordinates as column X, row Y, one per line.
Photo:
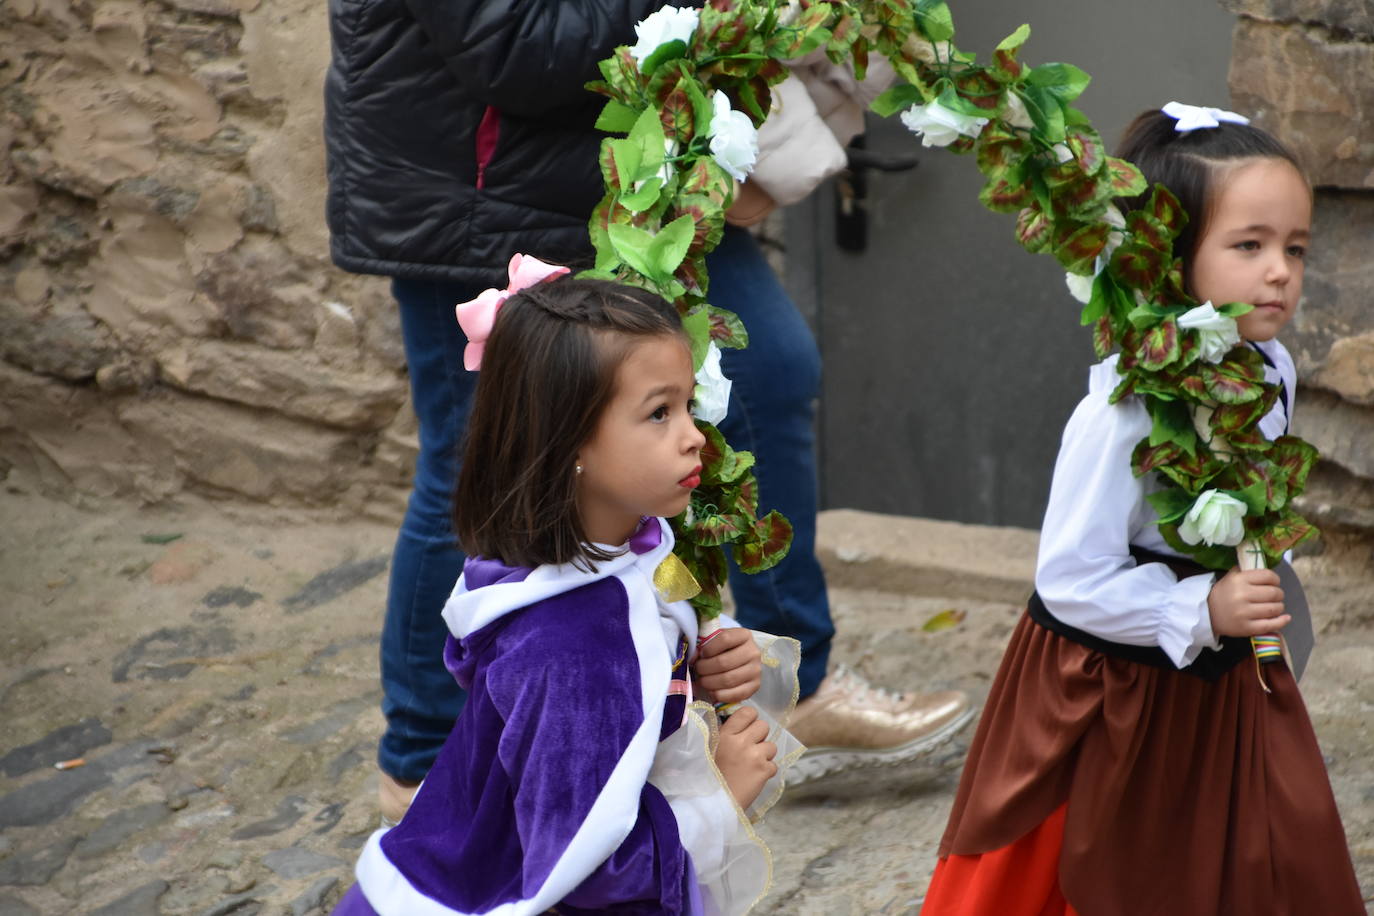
column 579, row 468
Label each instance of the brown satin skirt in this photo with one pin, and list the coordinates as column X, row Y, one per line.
column 1184, row 797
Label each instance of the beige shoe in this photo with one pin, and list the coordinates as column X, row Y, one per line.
column 393, row 797
column 847, row 723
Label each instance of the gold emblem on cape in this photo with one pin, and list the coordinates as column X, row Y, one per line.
column 674, row 581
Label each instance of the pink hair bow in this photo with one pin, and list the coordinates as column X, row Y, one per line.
column 477, row 316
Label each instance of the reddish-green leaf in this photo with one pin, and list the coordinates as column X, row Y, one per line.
column 1147, row 457
column 1158, row 346
column 1150, row 231
column 1295, row 458
column 1165, row 208
column 1193, row 472
column 1088, row 151
column 1139, row 266
column 1290, row 531
column 1232, row 381
column 1005, row 190
column 772, row 538
column 1033, row 229
column 726, row 329
column 1126, row 178
column 1000, row 147
column 1231, row 418
column 1103, row 337
column 1080, row 249
column 715, row 530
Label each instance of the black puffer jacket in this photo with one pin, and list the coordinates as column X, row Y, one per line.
column 459, row 132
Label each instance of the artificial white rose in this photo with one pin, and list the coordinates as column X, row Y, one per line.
column 1214, row 519
column 1080, row 287
column 712, row 394
column 1015, row 112
column 930, row 52
column 670, row 23
column 938, row 126
column 734, row 141
column 1216, row 333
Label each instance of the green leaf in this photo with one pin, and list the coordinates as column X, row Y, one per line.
column 1234, row 309
column 898, row 98
column 644, row 198
column 701, row 107
column 160, row 538
column 697, row 325
column 947, row 619
column 1015, row 39
column 1046, row 111
column 670, row 245
column 951, row 99
column 1171, row 503
column 616, row 118
column 1107, row 299
column 647, row 134
column 1065, row 81
column 934, row 20
column 631, row 245
column 1173, row 422
column 669, row 50
column 626, row 155
column 606, row 258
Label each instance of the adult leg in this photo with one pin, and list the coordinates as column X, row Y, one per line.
column 845, row 721
column 772, row 414
column 419, row 697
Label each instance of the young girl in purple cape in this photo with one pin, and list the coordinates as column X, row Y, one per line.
column 586, row 773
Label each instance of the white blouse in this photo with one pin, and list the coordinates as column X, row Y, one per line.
column 1097, row 509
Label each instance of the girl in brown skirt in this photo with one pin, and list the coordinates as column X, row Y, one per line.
column 1129, row 761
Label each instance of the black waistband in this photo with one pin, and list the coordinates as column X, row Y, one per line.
column 1210, row 664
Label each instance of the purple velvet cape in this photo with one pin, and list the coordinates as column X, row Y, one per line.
column 555, row 697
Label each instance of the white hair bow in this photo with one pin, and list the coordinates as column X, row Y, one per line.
column 1192, row 117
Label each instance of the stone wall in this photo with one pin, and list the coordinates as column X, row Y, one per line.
column 169, row 319
column 1305, row 70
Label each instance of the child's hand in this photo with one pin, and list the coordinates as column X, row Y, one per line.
column 745, row 756
column 1247, row 603
column 729, row 667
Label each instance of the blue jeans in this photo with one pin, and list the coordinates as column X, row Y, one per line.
column 771, row 414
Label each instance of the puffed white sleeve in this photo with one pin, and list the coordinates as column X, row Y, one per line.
column 1085, row 573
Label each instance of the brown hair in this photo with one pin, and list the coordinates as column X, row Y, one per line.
column 548, row 371
column 1190, row 165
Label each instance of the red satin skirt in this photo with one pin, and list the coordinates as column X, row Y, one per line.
column 1104, row 787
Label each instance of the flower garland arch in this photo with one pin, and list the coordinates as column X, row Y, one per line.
column 686, row 98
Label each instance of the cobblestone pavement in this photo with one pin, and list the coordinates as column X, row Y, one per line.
column 215, row 669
